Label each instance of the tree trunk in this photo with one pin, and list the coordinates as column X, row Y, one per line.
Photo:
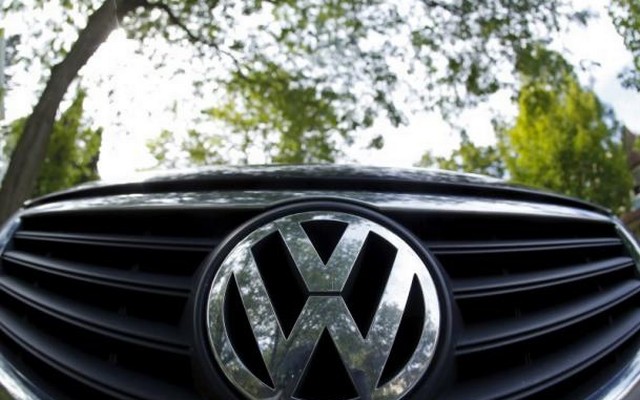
column 28, row 156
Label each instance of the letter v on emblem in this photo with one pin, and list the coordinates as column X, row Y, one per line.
column 317, row 276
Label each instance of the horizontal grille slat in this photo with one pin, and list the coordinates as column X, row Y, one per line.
column 102, row 375
column 135, row 280
column 125, row 328
column 508, row 246
column 498, row 333
column 550, row 368
column 154, row 243
column 481, row 286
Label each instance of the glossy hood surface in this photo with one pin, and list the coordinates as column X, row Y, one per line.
column 316, row 178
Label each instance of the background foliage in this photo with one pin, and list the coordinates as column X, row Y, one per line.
column 563, row 139
column 296, row 81
column 72, row 154
column 626, row 18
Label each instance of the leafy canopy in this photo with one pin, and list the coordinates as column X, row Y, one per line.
column 626, row 18
column 563, row 139
column 348, row 60
column 469, row 158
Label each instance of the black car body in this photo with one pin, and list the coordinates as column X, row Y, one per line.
column 100, row 285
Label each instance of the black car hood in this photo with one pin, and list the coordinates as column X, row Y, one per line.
column 315, row 177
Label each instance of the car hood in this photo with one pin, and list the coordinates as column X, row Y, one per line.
column 314, row 177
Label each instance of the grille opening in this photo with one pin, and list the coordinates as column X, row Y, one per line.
column 476, row 227
column 506, row 263
column 408, row 336
column 326, row 377
column 281, row 278
column 483, row 364
column 368, row 278
column 105, row 255
column 205, row 227
column 582, row 384
column 51, row 380
column 496, row 309
column 241, row 335
column 165, row 366
column 186, row 223
column 324, row 235
column 148, row 306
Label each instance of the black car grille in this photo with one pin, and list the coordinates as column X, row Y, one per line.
column 96, row 304
column 103, row 298
column 545, row 304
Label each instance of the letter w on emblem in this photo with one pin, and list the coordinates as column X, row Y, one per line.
column 364, row 354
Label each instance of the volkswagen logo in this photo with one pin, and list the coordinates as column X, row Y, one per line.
column 310, row 294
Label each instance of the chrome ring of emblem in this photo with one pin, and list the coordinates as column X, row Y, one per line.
column 286, row 356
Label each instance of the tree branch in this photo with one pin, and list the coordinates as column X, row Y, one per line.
column 175, row 20
column 440, row 4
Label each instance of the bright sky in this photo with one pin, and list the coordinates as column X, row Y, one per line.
column 132, row 79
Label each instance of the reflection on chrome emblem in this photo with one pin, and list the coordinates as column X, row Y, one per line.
column 286, row 356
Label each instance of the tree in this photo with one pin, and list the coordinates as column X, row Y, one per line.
column 72, row 153
column 302, row 117
column 286, row 121
column 194, row 149
column 565, row 140
column 469, row 158
column 348, row 47
column 626, row 18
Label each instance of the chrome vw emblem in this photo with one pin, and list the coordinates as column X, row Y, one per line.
column 286, row 350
